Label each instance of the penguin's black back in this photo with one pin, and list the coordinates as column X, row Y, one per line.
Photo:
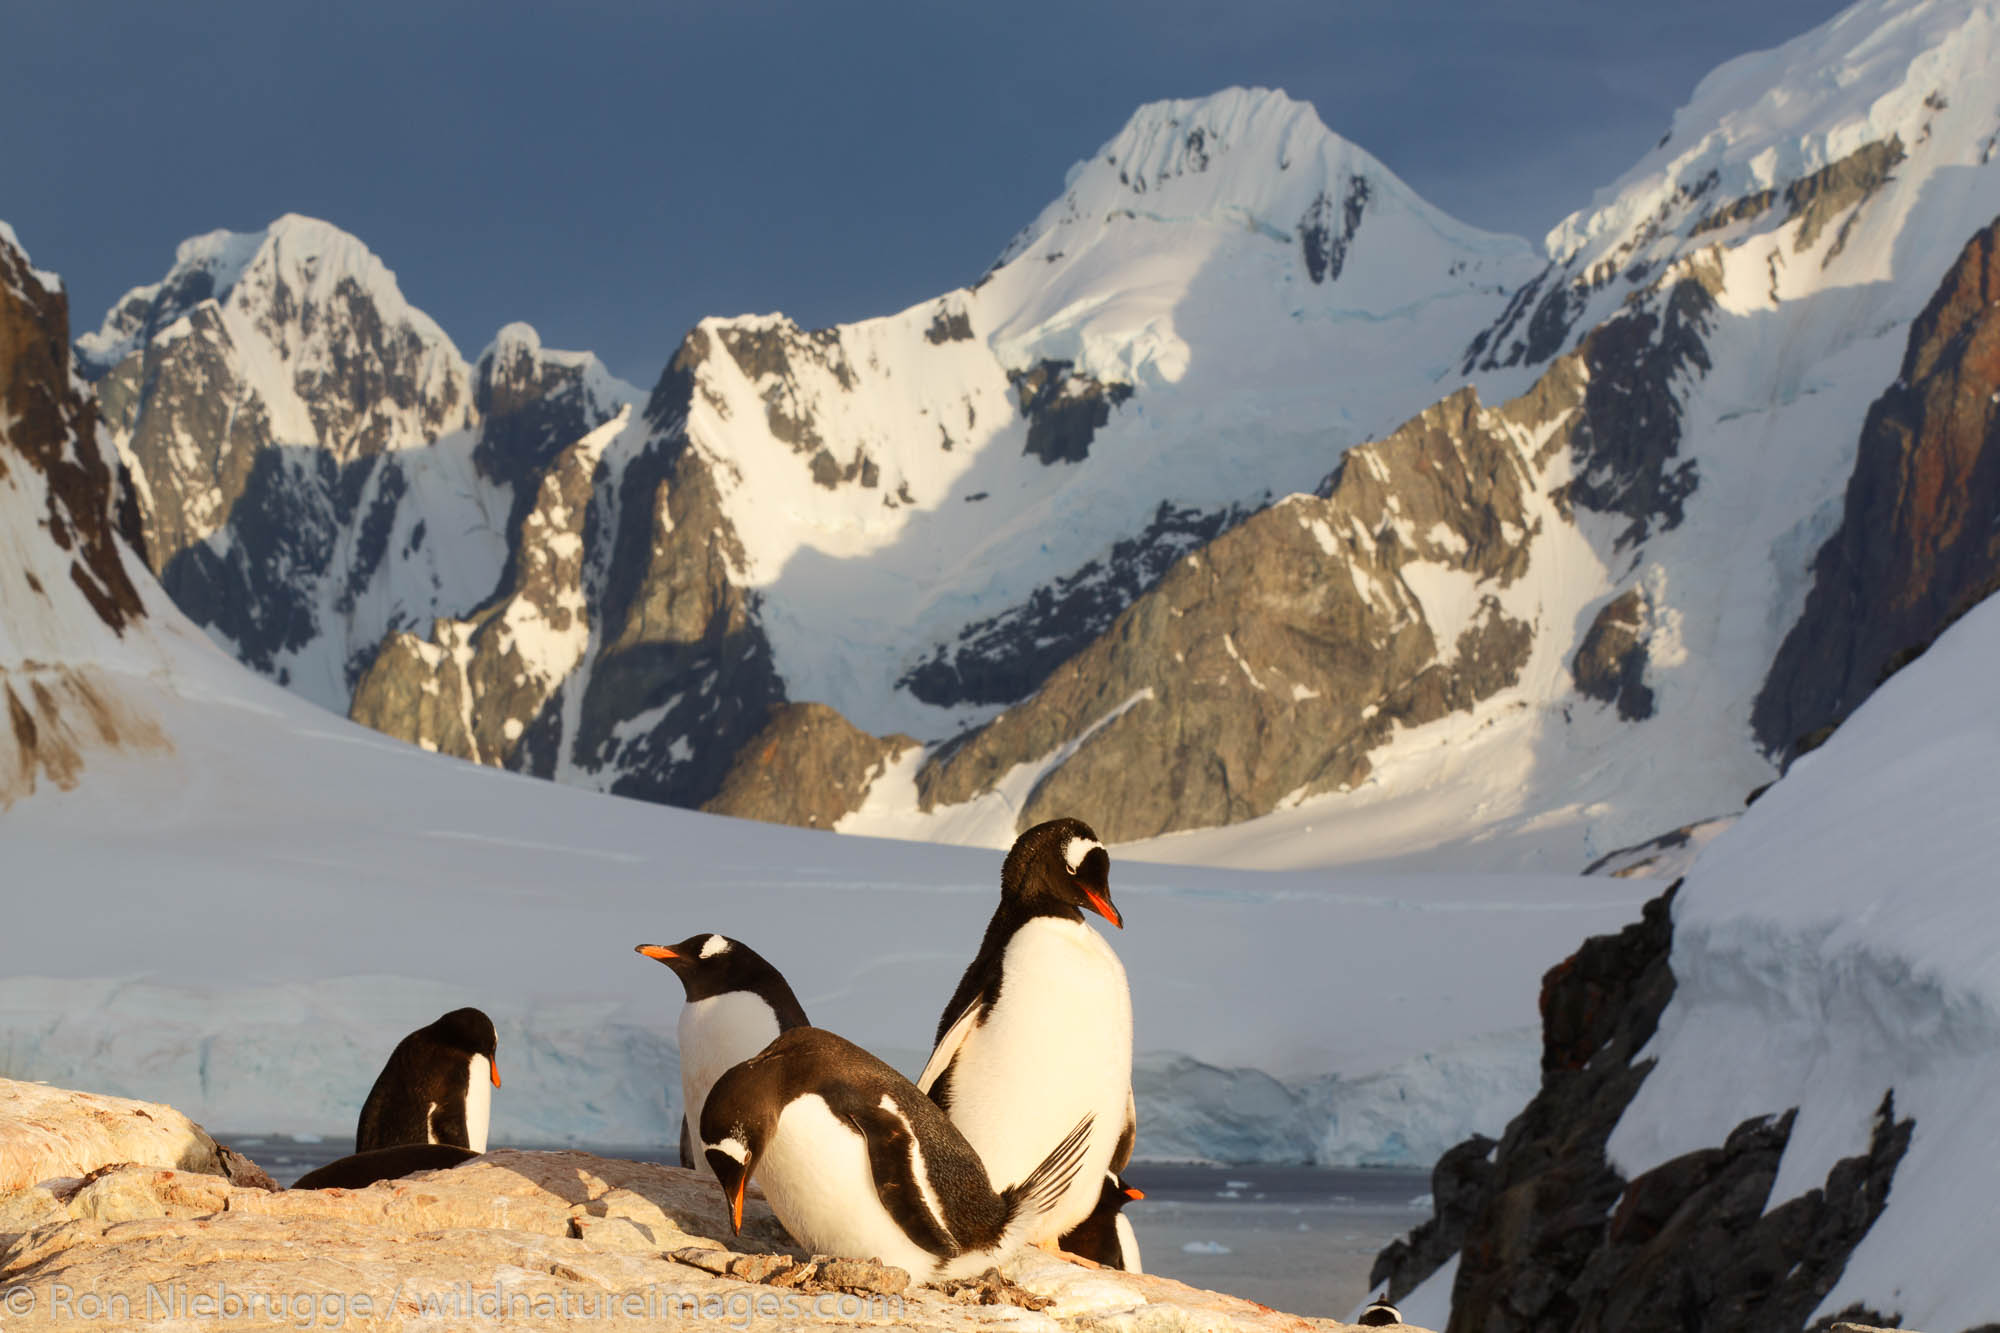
column 362, row 1169
column 422, row 1090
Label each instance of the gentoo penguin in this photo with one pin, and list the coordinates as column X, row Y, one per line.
column 435, row 1088
column 857, row 1163
column 736, row 1004
column 1039, row 1033
column 1105, row 1237
column 1380, row 1314
column 362, row 1169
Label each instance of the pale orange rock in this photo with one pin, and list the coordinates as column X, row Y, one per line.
column 534, row 1240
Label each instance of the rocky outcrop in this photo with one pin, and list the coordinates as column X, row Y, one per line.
column 66, row 596
column 477, row 684
column 809, row 766
column 1002, row 659
column 541, row 1240
column 1234, row 683
column 1064, row 409
column 50, row 429
column 685, row 677
column 1919, row 539
column 1611, row 662
column 1549, row 1236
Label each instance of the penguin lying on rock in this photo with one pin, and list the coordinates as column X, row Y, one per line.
column 737, row 1004
column 435, row 1088
column 857, row 1163
column 1038, row 1036
column 1105, row 1237
column 362, row 1169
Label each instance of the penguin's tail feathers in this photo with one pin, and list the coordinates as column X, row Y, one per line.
column 1043, row 1188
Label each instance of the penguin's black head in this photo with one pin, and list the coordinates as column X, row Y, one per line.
column 471, row 1031
column 1060, row 869
column 736, row 1122
column 1116, row 1193
column 716, row 965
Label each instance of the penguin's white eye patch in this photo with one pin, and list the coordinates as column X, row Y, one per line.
column 715, row 945
column 1077, row 848
column 733, row 1148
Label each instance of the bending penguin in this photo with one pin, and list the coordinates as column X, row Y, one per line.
column 1038, row 1035
column 737, row 1004
column 436, row 1088
column 857, row 1163
column 1106, row 1236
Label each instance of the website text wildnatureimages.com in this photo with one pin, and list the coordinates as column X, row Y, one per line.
column 157, row 1302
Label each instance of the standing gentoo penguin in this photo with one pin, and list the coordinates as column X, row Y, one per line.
column 1106, row 1237
column 435, row 1088
column 857, row 1163
column 1038, row 1035
column 736, row 1004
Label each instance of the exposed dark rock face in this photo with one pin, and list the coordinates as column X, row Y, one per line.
column 1326, row 231
column 768, row 357
column 1235, row 681
column 1630, row 431
column 1611, row 663
column 1837, row 188
column 809, row 766
column 949, row 325
column 1919, row 539
column 1540, row 319
column 1064, row 409
column 53, row 432
column 1004, row 658
column 1550, row 1237
column 260, row 584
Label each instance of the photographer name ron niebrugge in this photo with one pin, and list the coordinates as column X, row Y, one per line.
column 58, row 1302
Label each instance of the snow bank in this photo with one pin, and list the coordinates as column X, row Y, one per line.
column 1842, row 940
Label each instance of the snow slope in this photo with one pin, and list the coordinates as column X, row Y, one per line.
column 1840, row 943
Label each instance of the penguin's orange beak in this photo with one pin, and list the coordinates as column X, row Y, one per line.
column 659, row 951
column 1101, row 904
column 493, row 1067
column 1133, row 1194
column 736, row 1203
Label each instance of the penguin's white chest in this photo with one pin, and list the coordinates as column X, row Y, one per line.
column 1128, row 1244
column 715, row 1034
column 478, row 1103
column 816, row 1173
column 1056, row 1046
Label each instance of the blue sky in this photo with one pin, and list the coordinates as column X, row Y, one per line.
column 612, row 171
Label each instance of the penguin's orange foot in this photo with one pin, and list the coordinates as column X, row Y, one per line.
column 1079, row 1259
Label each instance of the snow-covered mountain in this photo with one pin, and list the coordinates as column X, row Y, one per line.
column 315, row 463
column 1247, row 502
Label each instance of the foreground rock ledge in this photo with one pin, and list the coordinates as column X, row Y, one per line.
column 533, row 1239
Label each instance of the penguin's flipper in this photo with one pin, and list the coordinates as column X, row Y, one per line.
column 892, row 1160
column 1042, row 1189
column 687, row 1146
column 447, row 1125
column 1121, row 1156
column 947, row 1050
